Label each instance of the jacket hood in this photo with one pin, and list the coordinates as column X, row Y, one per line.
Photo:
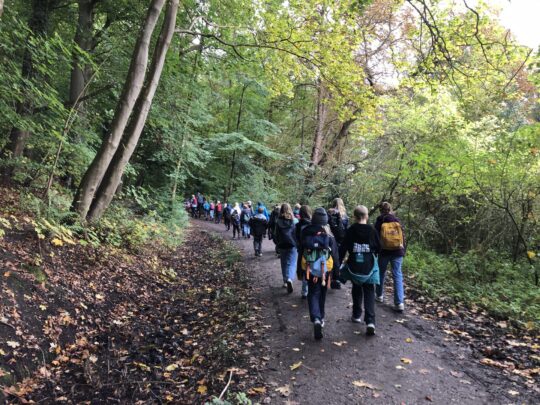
column 360, row 231
column 388, row 218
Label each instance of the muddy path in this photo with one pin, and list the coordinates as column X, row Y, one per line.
column 409, row 361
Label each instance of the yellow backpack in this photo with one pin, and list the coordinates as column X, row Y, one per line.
column 391, row 236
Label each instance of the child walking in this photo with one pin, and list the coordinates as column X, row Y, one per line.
column 361, row 244
column 258, row 225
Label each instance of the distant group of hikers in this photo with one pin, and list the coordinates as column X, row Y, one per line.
column 321, row 249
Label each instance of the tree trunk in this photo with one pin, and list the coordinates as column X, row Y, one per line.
column 1, row 7
column 132, row 88
column 17, row 137
column 318, row 140
column 130, row 139
column 80, row 73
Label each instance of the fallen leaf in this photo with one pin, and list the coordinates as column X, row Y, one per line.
column 13, row 344
column 202, row 389
column 57, row 242
column 513, row 393
column 295, row 365
column 171, row 367
column 257, row 390
column 363, row 384
column 43, row 307
column 339, row 344
column 409, row 340
column 285, row 390
column 405, row 360
column 296, row 349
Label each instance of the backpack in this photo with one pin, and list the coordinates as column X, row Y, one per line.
column 206, row 206
column 235, row 217
column 337, row 227
column 246, row 216
column 391, row 236
column 316, row 258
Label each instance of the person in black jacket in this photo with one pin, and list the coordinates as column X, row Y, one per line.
column 316, row 287
column 305, row 220
column 258, row 225
column 286, row 243
column 272, row 226
column 360, row 244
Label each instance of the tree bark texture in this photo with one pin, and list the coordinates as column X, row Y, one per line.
column 318, row 139
column 132, row 88
column 133, row 132
column 80, row 73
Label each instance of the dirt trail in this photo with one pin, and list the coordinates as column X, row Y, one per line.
column 441, row 371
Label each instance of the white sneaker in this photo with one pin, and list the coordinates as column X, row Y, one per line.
column 380, row 298
column 317, row 329
column 356, row 320
column 289, row 286
column 370, row 330
column 285, row 284
column 322, row 323
column 400, row 307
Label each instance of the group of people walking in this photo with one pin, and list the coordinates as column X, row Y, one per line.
column 321, row 249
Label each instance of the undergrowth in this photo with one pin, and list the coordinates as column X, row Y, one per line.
column 489, row 280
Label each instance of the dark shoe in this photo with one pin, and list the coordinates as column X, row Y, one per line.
column 289, row 286
column 317, row 329
column 304, row 297
column 370, row 330
column 335, row 285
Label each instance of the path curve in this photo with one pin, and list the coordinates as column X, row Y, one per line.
column 441, row 371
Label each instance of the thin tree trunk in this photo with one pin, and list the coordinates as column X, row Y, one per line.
column 1, row 7
column 130, row 139
column 233, row 160
column 132, row 88
column 84, row 40
column 322, row 109
column 17, row 137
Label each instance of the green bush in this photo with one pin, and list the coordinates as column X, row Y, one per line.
column 486, row 279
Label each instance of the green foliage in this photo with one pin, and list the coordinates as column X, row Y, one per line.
column 487, row 279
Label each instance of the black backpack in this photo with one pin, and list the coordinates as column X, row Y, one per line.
column 337, row 227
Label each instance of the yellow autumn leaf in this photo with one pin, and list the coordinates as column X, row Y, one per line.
column 171, row 367
column 43, row 307
column 408, row 340
column 405, row 360
column 202, row 389
column 363, row 384
column 531, row 254
column 295, row 365
column 57, row 242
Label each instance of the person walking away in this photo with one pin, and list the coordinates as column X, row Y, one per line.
column 319, row 259
column 227, row 210
column 339, row 222
column 274, row 215
column 219, row 212
column 212, row 210
column 244, row 219
column 361, row 245
column 296, row 211
column 258, row 225
column 235, row 222
column 206, row 208
column 194, row 205
column 393, row 251
column 200, row 204
column 286, row 243
column 265, row 211
column 305, row 220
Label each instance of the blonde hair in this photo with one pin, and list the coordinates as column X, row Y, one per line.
column 340, row 206
column 286, row 211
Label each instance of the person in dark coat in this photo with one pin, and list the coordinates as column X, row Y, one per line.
column 258, row 225
column 305, row 220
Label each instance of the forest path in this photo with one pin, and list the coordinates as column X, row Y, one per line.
column 441, row 371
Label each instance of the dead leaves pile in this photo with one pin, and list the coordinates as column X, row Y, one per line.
column 105, row 325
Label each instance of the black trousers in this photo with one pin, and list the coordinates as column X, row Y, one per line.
column 365, row 293
column 257, row 243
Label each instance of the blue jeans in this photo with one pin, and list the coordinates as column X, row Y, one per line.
column 304, row 287
column 246, row 229
column 288, row 259
column 396, row 262
column 316, row 299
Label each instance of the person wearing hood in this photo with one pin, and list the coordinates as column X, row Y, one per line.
column 265, row 211
column 286, row 243
column 318, row 235
column 361, row 244
column 305, row 220
column 393, row 251
column 227, row 212
column 272, row 226
column 245, row 216
column 258, row 225
column 235, row 220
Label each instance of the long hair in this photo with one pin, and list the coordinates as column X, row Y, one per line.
column 286, row 211
column 386, row 208
column 305, row 212
column 340, row 206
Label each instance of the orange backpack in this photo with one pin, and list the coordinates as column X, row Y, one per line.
column 391, row 236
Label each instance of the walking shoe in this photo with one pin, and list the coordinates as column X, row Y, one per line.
column 260, row 254
column 317, row 329
column 304, row 297
column 356, row 320
column 400, row 307
column 379, row 298
column 370, row 330
column 289, row 286
column 285, row 284
column 322, row 323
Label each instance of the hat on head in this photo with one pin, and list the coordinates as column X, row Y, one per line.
column 319, row 217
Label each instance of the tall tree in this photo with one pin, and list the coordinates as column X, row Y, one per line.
column 130, row 138
column 132, row 88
